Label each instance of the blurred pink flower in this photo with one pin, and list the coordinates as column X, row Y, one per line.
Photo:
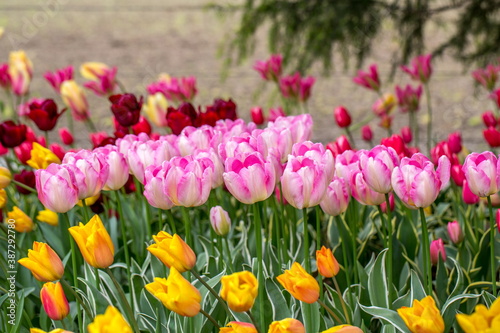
column 369, row 80
column 270, row 69
column 437, row 249
column 175, row 89
column 487, row 77
column 59, row 76
column 296, row 87
column 408, row 98
column 420, row 69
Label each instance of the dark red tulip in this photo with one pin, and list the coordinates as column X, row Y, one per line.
column 179, row 118
column 12, row 135
column 142, row 126
column 44, row 114
column 492, row 136
column 342, row 117
column 225, row 109
column 126, row 108
column 27, row 178
column 209, row 118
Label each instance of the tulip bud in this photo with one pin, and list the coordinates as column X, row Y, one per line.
column 220, row 220
column 5, row 177
column 48, row 216
column 437, row 249
column 54, row 300
column 173, row 251
column 300, row 284
column 326, row 262
column 23, row 222
column 176, row 293
column 342, row 117
column 367, row 133
column 383, row 205
column 74, row 98
column 239, row 290
column 66, row 136
column 489, row 119
column 94, row 243
column 492, row 137
column 467, row 196
column 257, row 115
column 111, row 320
column 238, row 327
column 455, row 142
column 455, row 232
column 43, row 262
column 288, row 325
column 457, row 174
column 406, row 134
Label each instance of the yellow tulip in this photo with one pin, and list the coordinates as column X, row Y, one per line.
column 288, row 325
column 344, row 329
column 423, row 316
column 3, row 198
column 74, row 98
column 48, row 216
column 239, row 290
column 5, row 177
column 89, row 201
column 483, row 320
column 111, row 321
column 156, row 109
column 326, row 262
column 20, row 71
column 23, row 223
column 173, row 251
column 43, row 262
column 238, row 327
column 57, row 330
column 42, row 157
column 94, row 242
column 176, row 294
column 2, row 30
column 91, row 70
column 54, row 301
column 300, row 284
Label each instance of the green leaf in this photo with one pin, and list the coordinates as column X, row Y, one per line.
column 449, row 309
column 281, row 310
column 377, row 282
column 387, row 315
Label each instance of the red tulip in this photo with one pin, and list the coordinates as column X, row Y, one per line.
column 396, row 142
column 489, row 119
column 44, row 114
column 26, row 177
column 457, row 174
column 12, row 135
column 179, row 118
column 66, row 136
column 342, row 117
column 492, row 136
column 257, row 115
column 367, row 133
column 455, row 142
column 126, row 108
column 58, row 150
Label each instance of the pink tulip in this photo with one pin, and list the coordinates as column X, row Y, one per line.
column 455, row 142
column 342, row 117
column 118, row 167
column 296, row 87
column 487, row 77
column 155, row 186
column 249, row 177
column 336, row 198
column 220, row 220
column 209, row 159
column 416, row 182
column 175, row 89
column 192, row 138
column 271, row 68
column 318, row 153
column 369, row 79
column 143, row 154
column 489, row 119
column 455, row 232
column 4, row 76
column 406, row 134
column 383, row 205
column 408, row 98
column 104, row 82
column 243, row 144
column 497, row 218
column 304, row 181
column 59, row 76
column 56, row 187
column 377, row 166
column 482, row 172
column 66, row 136
column 276, row 138
column 275, row 113
column 420, row 69
column 300, row 126
column 366, row 133
column 257, row 115
column 437, row 249
column 362, row 192
column 188, row 182
column 91, row 172
column 346, row 163
column 467, row 196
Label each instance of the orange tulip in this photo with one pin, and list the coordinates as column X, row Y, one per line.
column 326, row 262
column 94, row 243
column 43, row 262
column 344, row 329
column 300, row 284
column 23, row 223
column 176, row 294
column 288, row 325
column 173, row 251
column 239, row 290
column 238, row 327
column 54, row 300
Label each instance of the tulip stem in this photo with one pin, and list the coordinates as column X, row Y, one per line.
column 125, row 239
column 258, row 245
column 342, row 301
column 252, row 318
column 306, row 240
column 124, row 300
column 75, row 272
column 426, row 249
column 338, row 219
column 390, row 247
column 327, row 308
column 15, row 182
column 212, row 291
column 429, row 116
column 351, row 139
column 492, row 249
column 187, row 226
column 229, row 255
column 209, row 317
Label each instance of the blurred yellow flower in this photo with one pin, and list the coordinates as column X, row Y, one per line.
column 48, row 216
column 42, row 157
column 3, row 198
column 111, row 321
column 483, row 320
column 23, row 223
column 5, row 177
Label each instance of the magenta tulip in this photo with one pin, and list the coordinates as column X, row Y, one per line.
column 369, row 80
column 437, row 249
column 467, row 196
column 420, row 69
column 342, row 117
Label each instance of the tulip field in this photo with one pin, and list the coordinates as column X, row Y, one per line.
column 188, row 219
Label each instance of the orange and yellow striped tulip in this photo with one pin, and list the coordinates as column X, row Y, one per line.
column 43, row 262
